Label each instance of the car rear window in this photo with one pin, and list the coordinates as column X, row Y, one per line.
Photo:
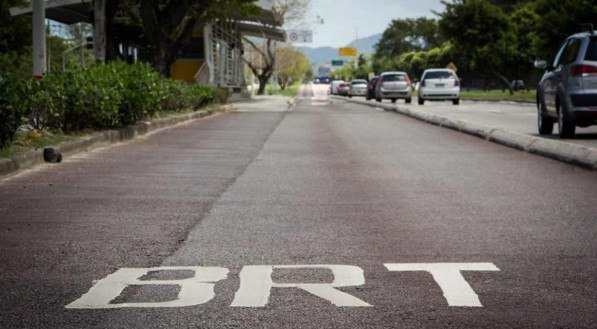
column 359, row 82
column 591, row 54
column 438, row 75
column 394, row 77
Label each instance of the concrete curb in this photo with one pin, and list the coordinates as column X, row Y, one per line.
column 570, row 153
column 9, row 166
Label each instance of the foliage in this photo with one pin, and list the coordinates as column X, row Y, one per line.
column 101, row 96
column 292, row 66
column 408, row 35
column 556, row 20
column 12, row 108
column 15, row 32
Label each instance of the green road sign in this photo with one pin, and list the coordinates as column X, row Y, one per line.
column 337, row 63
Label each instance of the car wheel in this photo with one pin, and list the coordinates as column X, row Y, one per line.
column 421, row 101
column 408, row 100
column 456, row 101
column 368, row 98
column 349, row 96
column 544, row 122
column 393, row 100
column 378, row 100
column 566, row 126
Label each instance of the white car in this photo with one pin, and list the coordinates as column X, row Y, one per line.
column 439, row 84
column 334, row 86
column 358, row 87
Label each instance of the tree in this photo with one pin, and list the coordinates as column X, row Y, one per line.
column 406, row 35
column 262, row 60
column 557, row 20
column 484, row 35
column 292, row 66
column 15, row 32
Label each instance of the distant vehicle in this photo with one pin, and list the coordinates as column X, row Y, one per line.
column 324, row 79
column 439, row 84
column 316, row 81
column 567, row 91
column 371, row 87
column 334, row 86
column 344, row 89
column 518, row 85
column 358, row 87
column 393, row 86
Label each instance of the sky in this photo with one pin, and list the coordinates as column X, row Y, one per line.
column 343, row 19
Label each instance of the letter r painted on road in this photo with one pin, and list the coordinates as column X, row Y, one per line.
column 256, row 284
column 447, row 275
column 196, row 290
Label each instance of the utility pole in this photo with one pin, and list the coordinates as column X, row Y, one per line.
column 39, row 38
column 99, row 30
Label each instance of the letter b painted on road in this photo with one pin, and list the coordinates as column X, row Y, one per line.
column 196, row 290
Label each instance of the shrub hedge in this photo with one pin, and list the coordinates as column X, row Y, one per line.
column 101, row 96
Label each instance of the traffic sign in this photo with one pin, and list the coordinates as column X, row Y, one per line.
column 337, row 62
column 300, row 36
column 347, row 51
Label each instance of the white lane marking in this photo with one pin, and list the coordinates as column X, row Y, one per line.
column 256, row 284
column 193, row 291
column 447, row 275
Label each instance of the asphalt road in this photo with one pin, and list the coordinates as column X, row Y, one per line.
column 513, row 116
column 322, row 184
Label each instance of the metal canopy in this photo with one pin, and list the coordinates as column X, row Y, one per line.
column 261, row 31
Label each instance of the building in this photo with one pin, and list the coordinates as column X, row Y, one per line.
column 214, row 56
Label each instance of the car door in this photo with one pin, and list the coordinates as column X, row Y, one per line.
column 561, row 69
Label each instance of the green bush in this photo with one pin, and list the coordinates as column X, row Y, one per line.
column 12, row 108
column 93, row 97
column 140, row 92
column 101, row 96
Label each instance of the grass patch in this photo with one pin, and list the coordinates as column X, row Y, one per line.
column 498, row 95
column 22, row 143
column 289, row 91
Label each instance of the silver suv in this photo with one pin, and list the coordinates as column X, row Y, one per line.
column 567, row 93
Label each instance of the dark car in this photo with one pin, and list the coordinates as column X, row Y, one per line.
column 324, row 79
column 518, row 85
column 567, row 93
column 371, row 87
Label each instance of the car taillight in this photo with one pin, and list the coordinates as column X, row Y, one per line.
column 423, row 83
column 339, row 87
column 583, row 70
column 407, row 81
column 456, row 83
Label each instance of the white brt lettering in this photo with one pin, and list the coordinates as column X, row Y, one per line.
column 256, row 285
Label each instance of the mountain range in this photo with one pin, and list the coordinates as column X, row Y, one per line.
column 321, row 55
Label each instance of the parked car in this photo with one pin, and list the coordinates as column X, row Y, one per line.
column 518, row 85
column 344, row 89
column 393, row 86
column 316, row 81
column 334, row 86
column 371, row 87
column 358, row 87
column 439, row 84
column 567, row 92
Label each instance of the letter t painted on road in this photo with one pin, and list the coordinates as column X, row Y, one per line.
column 447, row 275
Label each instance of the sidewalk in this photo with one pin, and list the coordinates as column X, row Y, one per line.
column 513, row 127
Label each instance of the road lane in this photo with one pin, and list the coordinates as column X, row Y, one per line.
column 322, row 184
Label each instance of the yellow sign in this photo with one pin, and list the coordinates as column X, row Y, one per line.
column 347, row 52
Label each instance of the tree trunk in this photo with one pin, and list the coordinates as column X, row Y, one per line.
column 504, row 80
column 263, row 79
